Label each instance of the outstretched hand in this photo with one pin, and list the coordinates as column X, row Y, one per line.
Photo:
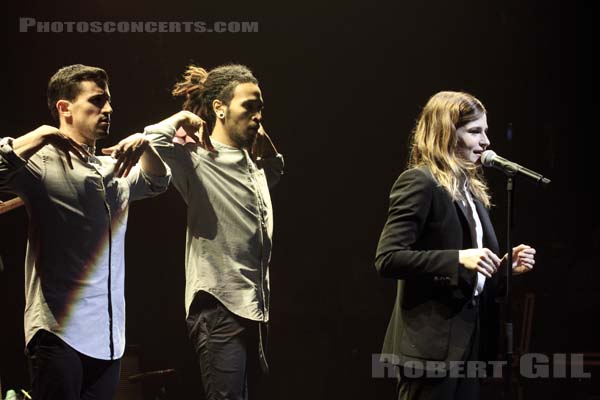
column 191, row 129
column 263, row 146
column 127, row 153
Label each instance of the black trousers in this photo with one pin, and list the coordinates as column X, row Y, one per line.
column 446, row 388
column 59, row 372
column 227, row 349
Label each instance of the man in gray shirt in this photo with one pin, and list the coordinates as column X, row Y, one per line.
column 224, row 175
column 77, row 206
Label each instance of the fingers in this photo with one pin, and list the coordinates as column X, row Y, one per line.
column 260, row 145
column 486, row 266
column 526, row 261
column 189, row 118
column 110, row 150
column 68, row 146
column 206, row 140
column 69, row 161
column 481, row 260
column 128, row 159
column 78, row 150
column 254, row 151
column 525, row 256
column 122, row 166
column 488, row 262
column 127, row 153
column 263, row 145
column 493, row 257
column 188, row 131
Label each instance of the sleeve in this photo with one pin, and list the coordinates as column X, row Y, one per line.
column 11, row 166
column 143, row 185
column 176, row 156
column 273, row 168
column 398, row 255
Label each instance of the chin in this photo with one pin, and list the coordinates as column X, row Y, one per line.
column 101, row 133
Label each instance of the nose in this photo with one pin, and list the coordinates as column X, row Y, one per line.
column 258, row 116
column 484, row 141
column 107, row 109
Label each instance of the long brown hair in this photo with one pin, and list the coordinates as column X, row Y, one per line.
column 434, row 144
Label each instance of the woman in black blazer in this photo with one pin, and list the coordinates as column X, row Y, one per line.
column 440, row 245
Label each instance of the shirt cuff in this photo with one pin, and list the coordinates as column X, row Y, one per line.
column 8, row 154
column 162, row 128
column 158, row 184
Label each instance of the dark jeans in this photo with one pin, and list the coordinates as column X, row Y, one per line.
column 59, row 372
column 227, row 347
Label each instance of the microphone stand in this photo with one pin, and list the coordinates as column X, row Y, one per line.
column 508, row 324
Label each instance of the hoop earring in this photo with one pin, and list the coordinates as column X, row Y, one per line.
column 221, row 115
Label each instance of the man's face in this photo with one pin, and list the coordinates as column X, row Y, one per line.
column 91, row 111
column 244, row 114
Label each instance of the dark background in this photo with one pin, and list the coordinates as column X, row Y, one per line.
column 343, row 84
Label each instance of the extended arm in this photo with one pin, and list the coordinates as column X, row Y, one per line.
column 27, row 145
column 132, row 149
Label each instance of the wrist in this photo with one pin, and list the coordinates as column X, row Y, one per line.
column 461, row 255
column 179, row 119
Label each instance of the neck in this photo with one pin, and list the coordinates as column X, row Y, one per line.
column 221, row 136
column 76, row 136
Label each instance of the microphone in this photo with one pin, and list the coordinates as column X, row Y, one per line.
column 489, row 158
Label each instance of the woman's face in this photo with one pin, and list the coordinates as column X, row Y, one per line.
column 472, row 139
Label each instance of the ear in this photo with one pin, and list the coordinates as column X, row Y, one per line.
column 64, row 108
column 218, row 107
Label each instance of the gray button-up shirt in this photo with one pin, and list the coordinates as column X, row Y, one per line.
column 229, row 221
column 74, row 267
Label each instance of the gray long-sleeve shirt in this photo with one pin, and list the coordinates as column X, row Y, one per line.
column 74, row 267
column 229, row 221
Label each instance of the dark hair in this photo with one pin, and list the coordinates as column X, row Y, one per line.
column 201, row 88
column 64, row 84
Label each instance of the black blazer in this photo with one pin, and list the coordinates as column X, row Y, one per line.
column 419, row 247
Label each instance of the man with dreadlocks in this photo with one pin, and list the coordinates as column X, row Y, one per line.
column 223, row 164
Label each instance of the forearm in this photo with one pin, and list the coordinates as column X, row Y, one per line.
column 30, row 143
column 406, row 264
column 151, row 163
column 161, row 135
column 175, row 120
